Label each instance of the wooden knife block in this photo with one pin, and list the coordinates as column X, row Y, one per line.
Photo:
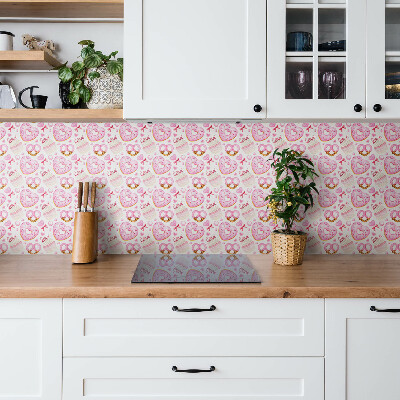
column 85, row 239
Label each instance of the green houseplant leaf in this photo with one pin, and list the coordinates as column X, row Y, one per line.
column 93, row 61
column 65, row 74
column 93, row 75
column 86, row 52
column 84, row 93
column 114, row 67
column 73, row 98
column 78, row 66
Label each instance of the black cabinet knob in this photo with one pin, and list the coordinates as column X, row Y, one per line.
column 358, row 108
column 377, row 108
column 257, row 108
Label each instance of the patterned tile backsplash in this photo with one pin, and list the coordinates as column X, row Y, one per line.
column 198, row 188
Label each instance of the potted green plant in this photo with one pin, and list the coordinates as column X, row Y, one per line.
column 292, row 194
column 95, row 79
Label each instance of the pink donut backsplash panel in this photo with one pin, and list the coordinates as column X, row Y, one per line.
column 195, row 188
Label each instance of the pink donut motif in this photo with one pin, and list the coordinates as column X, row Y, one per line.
column 61, row 165
column 2, row 132
column 127, row 132
column 28, row 231
column 326, row 165
column 359, row 231
column 359, row 165
column 95, row 165
column 28, row 165
column 359, row 198
column 227, row 165
column 194, row 231
column 326, row 231
column 260, row 132
column 258, row 198
column 132, row 215
column 364, row 248
column 61, row 231
column 33, row 248
column 392, row 132
column 232, row 215
column 28, row 198
column 194, row 198
column 260, row 231
column 232, row 248
column 326, row 132
column 391, row 231
column 227, row 198
column 326, row 198
column 392, row 165
column 3, row 198
column 161, row 231
column 28, row 132
column 293, row 132
column 95, row 132
column 227, row 231
column 2, row 231
column 359, row 132
column 61, row 198
column 331, row 248
column 161, row 132
column 199, row 248
column 128, row 198
column 392, row 198
column 260, row 165
column 227, row 132
column 33, row 149
column 194, row 132
column 161, row 165
column 166, row 215
column 161, row 198
column 194, row 165
column 364, row 216
column 61, row 132
column 193, row 275
column 128, row 165
column 166, row 248
column 232, row 149
column 127, row 231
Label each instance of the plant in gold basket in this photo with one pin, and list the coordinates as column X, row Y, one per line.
column 294, row 187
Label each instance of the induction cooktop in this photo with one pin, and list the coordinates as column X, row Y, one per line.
column 195, row 268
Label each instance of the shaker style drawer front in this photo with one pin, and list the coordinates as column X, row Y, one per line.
column 193, row 327
column 232, row 379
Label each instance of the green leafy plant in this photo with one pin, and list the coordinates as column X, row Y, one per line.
column 294, row 187
column 79, row 71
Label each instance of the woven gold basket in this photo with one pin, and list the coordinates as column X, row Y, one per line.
column 288, row 249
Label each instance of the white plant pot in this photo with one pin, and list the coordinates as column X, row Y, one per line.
column 107, row 91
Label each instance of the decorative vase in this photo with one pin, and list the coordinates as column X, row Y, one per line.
column 63, row 90
column 288, row 249
column 106, row 90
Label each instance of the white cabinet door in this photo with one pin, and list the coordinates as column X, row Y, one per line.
column 30, row 349
column 305, row 78
column 194, row 59
column 153, row 378
column 383, row 59
column 362, row 349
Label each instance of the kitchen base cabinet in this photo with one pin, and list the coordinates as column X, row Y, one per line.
column 153, row 378
column 362, row 349
column 30, row 349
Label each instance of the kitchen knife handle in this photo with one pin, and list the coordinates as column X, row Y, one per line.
column 80, row 191
column 85, row 195
column 93, row 196
column 175, row 308
column 193, row 371
column 389, row 310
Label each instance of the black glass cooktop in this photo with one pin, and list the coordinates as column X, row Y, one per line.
column 189, row 268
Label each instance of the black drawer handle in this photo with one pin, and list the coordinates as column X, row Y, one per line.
column 193, row 371
column 175, row 308
column 393, row 310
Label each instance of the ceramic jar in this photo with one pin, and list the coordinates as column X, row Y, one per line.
column 6, row 41
column 106, row 90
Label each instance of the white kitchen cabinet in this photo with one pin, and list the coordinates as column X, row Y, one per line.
column 362, row 349
column 383, row 59
column 305, row 79
column 30, row 349
column 233, row 378
column 233, row 327
column 195, row 59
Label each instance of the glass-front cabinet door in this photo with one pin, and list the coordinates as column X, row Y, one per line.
column 383, row 59
column 316, row 58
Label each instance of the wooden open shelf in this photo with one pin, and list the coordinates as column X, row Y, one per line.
column 60, row 115
column 27, row 60
column 62, row 9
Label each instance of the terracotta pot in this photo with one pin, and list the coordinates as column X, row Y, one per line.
column 288, row 249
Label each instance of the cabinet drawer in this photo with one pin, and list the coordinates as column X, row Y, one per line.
column 234, row 378
column 150, row 327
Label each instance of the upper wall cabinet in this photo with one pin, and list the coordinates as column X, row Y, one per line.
column 383, row 59
column 316, row 58
column 195, row 59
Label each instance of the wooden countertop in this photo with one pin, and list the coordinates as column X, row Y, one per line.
column 323, row 276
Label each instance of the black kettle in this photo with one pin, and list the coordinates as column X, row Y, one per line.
column 38, row 101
